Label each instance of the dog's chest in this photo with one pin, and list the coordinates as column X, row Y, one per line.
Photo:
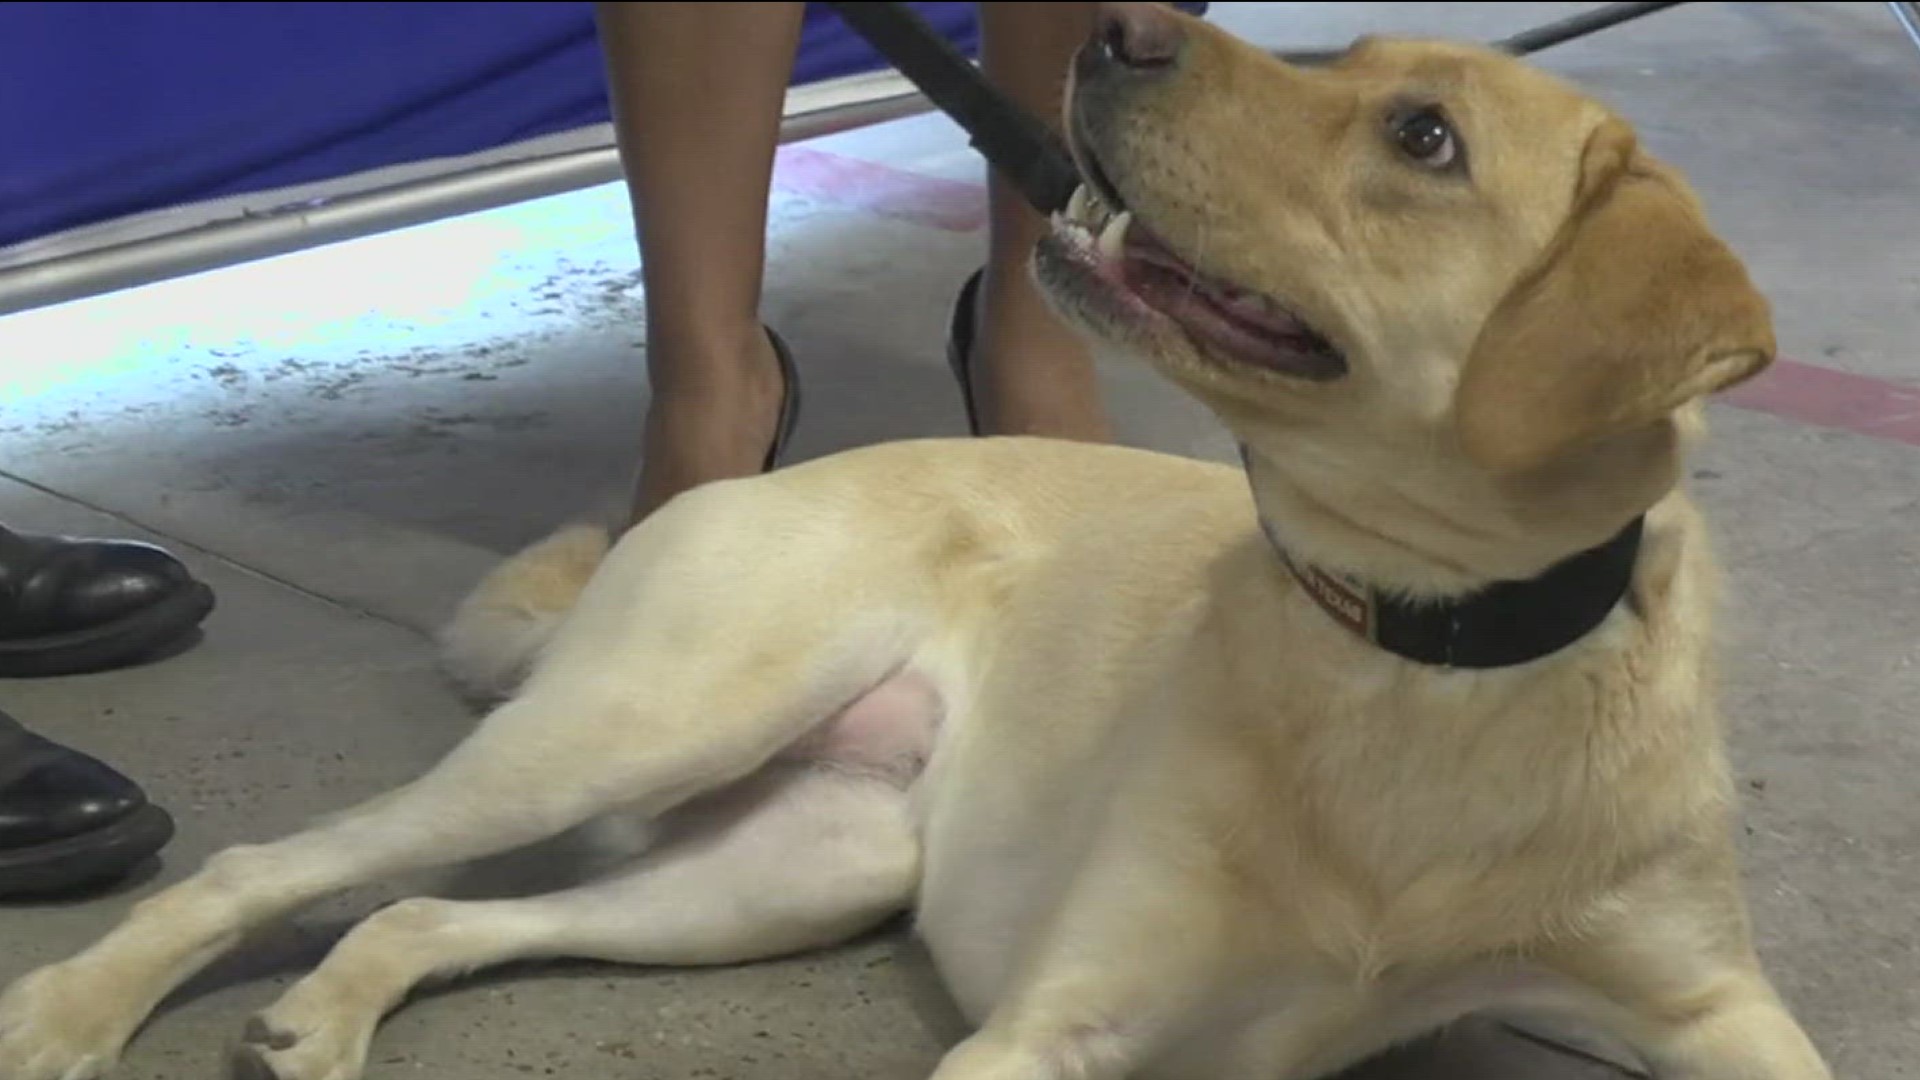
column 1005, row 809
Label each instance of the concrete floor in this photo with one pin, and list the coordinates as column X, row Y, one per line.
column 341, row 441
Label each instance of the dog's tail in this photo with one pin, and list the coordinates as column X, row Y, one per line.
column 500, row 629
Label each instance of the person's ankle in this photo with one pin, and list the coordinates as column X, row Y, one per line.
column 1051, row 413
column 711, row 363
column 1032, row 375
column 714, row 423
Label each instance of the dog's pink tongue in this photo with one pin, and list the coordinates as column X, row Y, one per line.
column 1223, row 317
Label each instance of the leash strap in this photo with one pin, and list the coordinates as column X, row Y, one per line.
column 1014, row 142
column 1532, row 41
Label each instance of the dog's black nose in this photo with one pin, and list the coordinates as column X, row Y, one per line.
column 1142, row 36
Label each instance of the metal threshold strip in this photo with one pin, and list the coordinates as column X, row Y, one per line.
column 315, row 222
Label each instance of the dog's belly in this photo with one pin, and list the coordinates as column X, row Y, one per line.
column 886, row 733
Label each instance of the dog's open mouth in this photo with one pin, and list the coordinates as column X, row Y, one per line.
column 1104, row 239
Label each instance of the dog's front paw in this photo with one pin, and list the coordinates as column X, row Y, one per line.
column 295, row 1041
column 57, row 1025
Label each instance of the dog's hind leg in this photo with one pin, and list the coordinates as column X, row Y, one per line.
column 794, row 858
column 693, row 664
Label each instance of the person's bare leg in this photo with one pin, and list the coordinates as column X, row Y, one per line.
column 697, row 92
column 1032, row 375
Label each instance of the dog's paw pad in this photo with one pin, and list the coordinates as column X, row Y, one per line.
column 254, row 1061
column 259, row 1033
column 277, row 1046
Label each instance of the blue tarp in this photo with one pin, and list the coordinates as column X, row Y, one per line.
column 111, row 109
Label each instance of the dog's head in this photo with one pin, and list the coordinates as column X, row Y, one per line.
column 1458, row 316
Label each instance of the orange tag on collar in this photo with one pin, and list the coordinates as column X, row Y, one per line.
column 1349, row 606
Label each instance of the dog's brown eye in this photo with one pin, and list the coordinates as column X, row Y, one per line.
column 1427, row 138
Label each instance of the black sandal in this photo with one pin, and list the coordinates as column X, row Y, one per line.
column 960, row 334
column 789, row 403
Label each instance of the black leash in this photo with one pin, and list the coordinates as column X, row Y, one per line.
column 1025, row 151
column 1014, row 142
column 1576, row 26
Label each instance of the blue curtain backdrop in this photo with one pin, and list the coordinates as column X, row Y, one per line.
column 110, row 109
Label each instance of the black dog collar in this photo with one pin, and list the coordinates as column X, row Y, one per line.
column 1502, row 625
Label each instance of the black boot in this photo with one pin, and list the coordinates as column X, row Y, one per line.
column 68, row 821
column 70, row 605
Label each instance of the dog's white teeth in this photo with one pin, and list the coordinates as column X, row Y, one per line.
column 1080, row 204
column 1113, row 238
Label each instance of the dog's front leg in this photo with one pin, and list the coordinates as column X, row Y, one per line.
column 1727, row 1025
column 1682, row 985
column 1088, row 1018
column 1124, row 963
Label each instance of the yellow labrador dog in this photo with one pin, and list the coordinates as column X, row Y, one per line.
column 1185, row 770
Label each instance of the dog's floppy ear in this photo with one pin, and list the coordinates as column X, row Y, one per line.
column 1635, row 309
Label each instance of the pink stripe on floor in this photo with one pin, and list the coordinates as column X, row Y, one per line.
column 1790, row 389
column 948, row 205
column 1825, row 397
